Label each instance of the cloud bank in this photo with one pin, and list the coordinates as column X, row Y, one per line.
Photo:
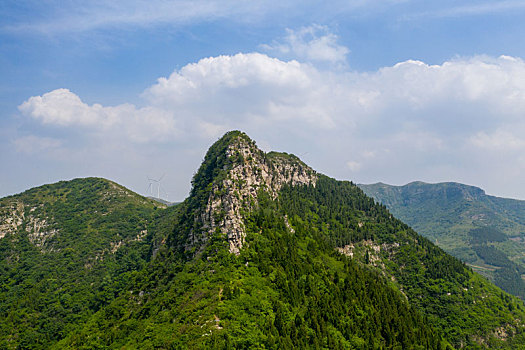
column 461, row 97
column 459, row 120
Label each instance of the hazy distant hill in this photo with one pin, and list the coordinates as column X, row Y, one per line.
column 485, row 231
column 264, row 253
column 163, row 201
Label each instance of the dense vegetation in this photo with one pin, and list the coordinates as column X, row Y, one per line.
column 284, row 290
column 48, row 289
column 507, row 274
column 481, row 235
column 322, row 267
column 486, row 232
column 448, row 292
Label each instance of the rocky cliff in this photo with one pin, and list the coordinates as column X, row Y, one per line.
column 245, row 172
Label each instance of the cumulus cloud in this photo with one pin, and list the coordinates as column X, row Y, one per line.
column 63, row 108
column 494, row 82
column 430, row 121
column 459, row 97
column 244, row 88
column 225, row 74
column 314, row 43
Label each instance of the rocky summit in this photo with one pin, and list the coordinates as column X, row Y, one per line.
column 244, row 172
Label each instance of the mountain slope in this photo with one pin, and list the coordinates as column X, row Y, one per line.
column 241, row 274
column 267, row 253
column 485, row 231
column 288, row 234
column 65, row 249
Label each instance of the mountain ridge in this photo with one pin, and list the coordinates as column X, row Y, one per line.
column 264, row 253
column 452, row 221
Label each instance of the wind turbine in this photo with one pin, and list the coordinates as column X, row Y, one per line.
column 152, row 183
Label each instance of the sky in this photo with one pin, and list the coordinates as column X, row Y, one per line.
column 392, row 90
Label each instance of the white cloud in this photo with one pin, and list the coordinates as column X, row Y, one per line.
column 459, row 97
column 220, row 74
column 410, row 121
column 63, row 108
column 312, row 44
column 244, row 88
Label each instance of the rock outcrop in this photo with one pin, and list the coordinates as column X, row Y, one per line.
column 11, row 218
column 246, row 170
column 16, row 216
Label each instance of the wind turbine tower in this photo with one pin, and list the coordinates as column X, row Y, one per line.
column 152, row 184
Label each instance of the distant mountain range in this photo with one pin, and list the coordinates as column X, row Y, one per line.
column 162, row 201
column 265, row 253
column 486, row 232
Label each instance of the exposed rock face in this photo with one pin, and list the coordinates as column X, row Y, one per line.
column 14, row 217
column 374, row 250
column 11, row 218
column 249, row 171
column 39, row 231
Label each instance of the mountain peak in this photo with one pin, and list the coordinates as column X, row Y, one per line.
column 219, row 158
column 231, row 178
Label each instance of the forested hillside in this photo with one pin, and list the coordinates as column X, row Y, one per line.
column 66, row 250
column 486, row 232
column 264, row 253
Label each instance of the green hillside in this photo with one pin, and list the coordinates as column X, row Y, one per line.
column 66, row 249
column 485, row 231
column 264, row 253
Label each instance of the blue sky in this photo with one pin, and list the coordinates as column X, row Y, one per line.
column 391, row 91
